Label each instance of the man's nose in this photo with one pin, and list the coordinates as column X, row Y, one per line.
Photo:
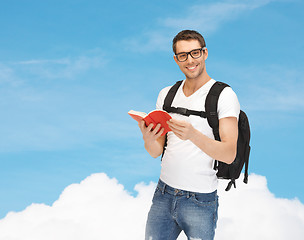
column 190, row 59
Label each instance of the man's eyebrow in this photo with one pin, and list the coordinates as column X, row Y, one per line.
column 191, row 50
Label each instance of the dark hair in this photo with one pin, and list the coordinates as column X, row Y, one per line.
column 188, row 35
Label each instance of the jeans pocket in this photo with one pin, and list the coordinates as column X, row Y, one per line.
column 157, row 192
column 204, row 199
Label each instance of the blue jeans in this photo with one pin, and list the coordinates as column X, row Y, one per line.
column 174, row 210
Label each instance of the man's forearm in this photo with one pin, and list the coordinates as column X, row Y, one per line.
column 221, row 151
column 224, row 151
column 154, row 141
column 154, row 148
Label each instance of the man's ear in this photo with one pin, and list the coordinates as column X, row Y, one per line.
column 205, row 54
column 175, row 59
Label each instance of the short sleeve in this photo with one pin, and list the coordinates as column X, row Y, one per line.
column 161, row 98
column 228, row 104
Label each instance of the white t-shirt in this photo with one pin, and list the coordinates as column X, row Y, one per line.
column 184, row 165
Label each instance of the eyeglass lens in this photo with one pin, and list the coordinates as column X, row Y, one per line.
column 196, row 53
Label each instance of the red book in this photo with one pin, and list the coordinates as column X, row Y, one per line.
column 155, row 117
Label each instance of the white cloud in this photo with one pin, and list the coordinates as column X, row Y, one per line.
column 8, row 76
column 209, row 17
column 206, row 18
column 97, row 208
column 42, row 109
column 19, row 73
column 253, row 212
column 100, row 208
column 267, row 87
column 66, row 68
column 149, row 41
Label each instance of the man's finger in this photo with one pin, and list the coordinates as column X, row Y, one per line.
column 160, row 132
column 156, row 129
column 150, row 126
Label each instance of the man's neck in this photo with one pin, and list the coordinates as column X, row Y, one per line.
column 192, row 85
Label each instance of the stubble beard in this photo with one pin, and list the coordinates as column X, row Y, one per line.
column 194, row 75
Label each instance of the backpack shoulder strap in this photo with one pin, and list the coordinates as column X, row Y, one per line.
column 183, row 111
column 170, row 96
column 167, row 107
column 211, row 107
column 244, row 129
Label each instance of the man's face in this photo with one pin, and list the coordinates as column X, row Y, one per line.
column 192, row 68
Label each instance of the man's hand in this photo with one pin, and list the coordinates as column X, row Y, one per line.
column 150, row 135
column 182, row 129
column 154, row 141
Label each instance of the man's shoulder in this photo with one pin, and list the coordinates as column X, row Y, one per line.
column 162, row 95
column 228, row 103
column 228, row 92
column 165, row 90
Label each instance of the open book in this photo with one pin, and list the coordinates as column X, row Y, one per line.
column 155, row 117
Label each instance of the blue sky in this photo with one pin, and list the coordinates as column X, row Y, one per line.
column 71, row 70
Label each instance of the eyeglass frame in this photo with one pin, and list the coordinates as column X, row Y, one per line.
column 189, row 53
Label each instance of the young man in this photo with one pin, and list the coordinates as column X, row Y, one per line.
column 186, row 196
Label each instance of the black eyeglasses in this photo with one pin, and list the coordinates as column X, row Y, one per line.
column 195, row 53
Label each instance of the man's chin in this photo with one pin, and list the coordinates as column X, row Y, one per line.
column 192, row 76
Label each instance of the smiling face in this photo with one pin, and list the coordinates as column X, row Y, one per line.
column 192, row 68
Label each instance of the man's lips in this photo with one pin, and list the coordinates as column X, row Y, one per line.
column 192, row 68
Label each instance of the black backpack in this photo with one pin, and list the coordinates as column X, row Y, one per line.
column 224, row 171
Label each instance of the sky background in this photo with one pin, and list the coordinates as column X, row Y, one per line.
column 71, row 70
